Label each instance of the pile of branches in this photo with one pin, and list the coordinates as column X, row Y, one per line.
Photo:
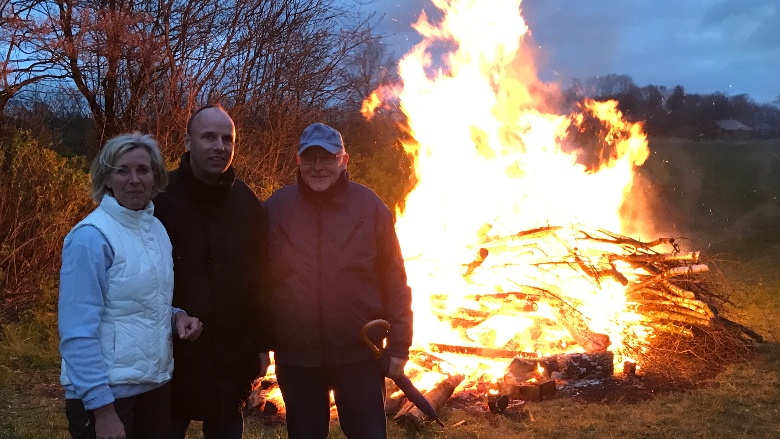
column 681, row 335
column 682, row 301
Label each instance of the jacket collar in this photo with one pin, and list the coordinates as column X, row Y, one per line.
column 132, row 219
column 201, row 189
column 332, row 194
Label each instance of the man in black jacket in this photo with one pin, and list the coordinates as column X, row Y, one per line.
column 216, row 225
column 335, row 265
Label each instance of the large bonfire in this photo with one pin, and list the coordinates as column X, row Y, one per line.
column 520, row 238
column 519, row 241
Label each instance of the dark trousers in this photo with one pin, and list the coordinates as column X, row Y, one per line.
column 218, row 428
column 147, row 415
column 359, row 392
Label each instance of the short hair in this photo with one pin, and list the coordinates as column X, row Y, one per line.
column 196, row 112
column 105, row 162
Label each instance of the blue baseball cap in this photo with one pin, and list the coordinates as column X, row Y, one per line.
column 319, row 134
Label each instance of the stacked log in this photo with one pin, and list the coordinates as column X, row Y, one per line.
column 666, row 287
column 438, row 396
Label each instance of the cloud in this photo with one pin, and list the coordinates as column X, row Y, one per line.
column 707, row 46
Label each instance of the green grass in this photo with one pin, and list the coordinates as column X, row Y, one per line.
column 725, row 196
column 722, row 196
column 742, row 401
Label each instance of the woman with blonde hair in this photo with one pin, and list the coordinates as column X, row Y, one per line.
column 116, row 322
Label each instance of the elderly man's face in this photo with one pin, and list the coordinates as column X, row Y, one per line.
column 321, row 169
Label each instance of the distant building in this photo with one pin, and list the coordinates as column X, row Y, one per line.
column 733, row 129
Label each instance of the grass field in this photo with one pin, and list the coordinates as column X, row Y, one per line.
column 722, row 196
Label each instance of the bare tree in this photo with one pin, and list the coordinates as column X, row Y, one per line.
column 144, row 64
column 21, row 64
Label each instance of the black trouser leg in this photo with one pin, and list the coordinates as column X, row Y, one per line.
column 359, row 391
column 306, row 400
column 147, row 415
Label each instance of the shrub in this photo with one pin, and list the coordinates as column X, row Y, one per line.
column 42, row 195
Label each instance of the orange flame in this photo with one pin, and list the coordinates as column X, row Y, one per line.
column 490, row 162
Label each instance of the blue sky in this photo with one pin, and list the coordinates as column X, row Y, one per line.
column 707, row 46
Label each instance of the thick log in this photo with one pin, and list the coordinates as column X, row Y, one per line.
column 597, row 273
column 574, row 322
column 589, row 340
column 678, row 315
column 686, row 270
column 680, row 292
column 480, row 351
column 394, row 402
column 676, row 299
column 669, row 305
column 526, row 293
column 525, row 234
column 438, row 396
column 672, row 272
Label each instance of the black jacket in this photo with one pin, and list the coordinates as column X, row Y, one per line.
column 335, row 265
column 217, row 232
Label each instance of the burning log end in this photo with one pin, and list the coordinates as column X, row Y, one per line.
column 438, row 396
column 598, row 343
column 257, row 398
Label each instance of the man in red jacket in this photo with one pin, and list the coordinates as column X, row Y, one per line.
column 335, row 265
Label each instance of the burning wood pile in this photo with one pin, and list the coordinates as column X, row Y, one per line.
column 513, row 292
column 669, row 323
column 517, row 343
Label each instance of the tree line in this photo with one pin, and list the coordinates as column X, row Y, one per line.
column 672, row 112
column 89, row 69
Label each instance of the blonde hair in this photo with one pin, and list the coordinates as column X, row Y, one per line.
column 105, row 162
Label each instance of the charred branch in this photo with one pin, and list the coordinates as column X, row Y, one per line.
column 438, row 396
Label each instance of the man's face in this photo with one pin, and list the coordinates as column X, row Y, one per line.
column 319, row 168
column 210, row 142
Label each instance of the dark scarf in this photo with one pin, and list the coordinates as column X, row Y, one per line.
column 203, row 190
column 319, row 197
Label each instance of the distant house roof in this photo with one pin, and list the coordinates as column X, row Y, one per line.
column 732, row 125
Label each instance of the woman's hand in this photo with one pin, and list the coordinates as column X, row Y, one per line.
column 188, row 328
column 107, row 423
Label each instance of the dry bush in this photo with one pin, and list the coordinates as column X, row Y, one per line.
column 42, row 195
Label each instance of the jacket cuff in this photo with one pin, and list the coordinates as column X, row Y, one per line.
column 398, row 350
